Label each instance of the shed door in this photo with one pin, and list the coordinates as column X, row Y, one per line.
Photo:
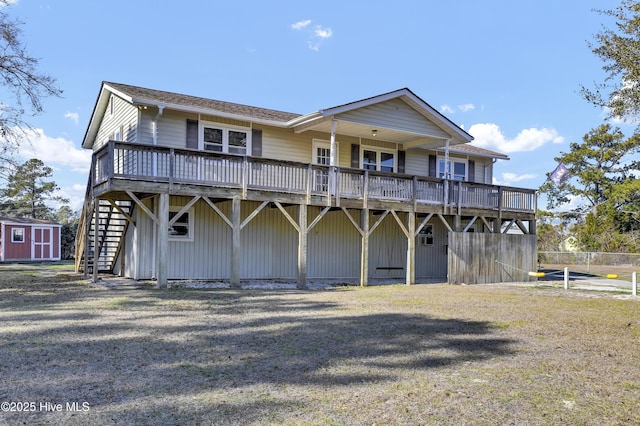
column 41, row 243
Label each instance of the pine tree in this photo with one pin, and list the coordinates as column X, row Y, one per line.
column 27, row 191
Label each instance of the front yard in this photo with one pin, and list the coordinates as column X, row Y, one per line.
column 427, row 354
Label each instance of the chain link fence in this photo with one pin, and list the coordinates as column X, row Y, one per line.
column 596, row 263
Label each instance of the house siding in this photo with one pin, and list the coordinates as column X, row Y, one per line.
column 269, row 246
column 124, row 117
column 394, row 114
column 417, row 162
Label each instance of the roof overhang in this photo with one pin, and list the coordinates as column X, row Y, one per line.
column 322, row 120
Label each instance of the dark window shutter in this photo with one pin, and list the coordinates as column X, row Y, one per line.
column 256, row 143
column 432, row 166
column 401, row 161
column 192, row 134
column 355, row 156
column 471, row 173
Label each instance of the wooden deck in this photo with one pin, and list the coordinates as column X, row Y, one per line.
column 121, row 167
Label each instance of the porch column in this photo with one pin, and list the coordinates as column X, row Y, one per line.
column 163, row 241
column 364, row 256
column 411, row 248
column 235, row 243
column 446, row 176
column 333, row 160
column 302, row 246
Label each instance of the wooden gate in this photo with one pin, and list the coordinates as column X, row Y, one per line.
column 478, row 258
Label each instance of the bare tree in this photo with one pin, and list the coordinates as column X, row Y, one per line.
column 24, row 83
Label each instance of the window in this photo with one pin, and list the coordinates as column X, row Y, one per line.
column 426, row 235
column 218, row 138
column 376, row 159
column 321, row 155
column 457, row 169
column 182, row 228
column 17, row 235
column 117, row 135
column 322, row 152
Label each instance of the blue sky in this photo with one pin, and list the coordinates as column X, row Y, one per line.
column 507, row 71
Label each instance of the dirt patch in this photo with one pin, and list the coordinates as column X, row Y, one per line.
column 426, row 354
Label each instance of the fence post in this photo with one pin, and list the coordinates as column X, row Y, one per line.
column 634, row 284
column 566, row 278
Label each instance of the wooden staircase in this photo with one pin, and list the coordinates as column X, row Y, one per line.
column 102, row 247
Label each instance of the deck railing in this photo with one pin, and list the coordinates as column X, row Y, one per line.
column 171, row 165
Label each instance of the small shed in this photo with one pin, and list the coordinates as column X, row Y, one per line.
column 27, row 239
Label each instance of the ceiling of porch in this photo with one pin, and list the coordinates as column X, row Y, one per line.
column 366, row 131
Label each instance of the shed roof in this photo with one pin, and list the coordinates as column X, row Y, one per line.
column 26, row 221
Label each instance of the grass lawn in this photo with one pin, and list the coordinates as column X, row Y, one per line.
column 426, row 354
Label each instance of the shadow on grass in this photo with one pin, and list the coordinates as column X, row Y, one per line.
column 130, row 353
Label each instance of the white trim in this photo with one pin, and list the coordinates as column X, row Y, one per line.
column 322, row 143
column 226, row 128
column 452, row 161
column 2, row 239
column 191, row 216
column 24, row 235
column 378, row 150
column 42, row 245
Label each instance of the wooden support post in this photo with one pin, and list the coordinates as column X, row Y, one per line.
column 566, row 278
column 96, row 229
column 235, row 243
column 163, row 241
column 87, row 229
column 364, row 256
column 411, row 248
column 302, row 246
column 457, row 223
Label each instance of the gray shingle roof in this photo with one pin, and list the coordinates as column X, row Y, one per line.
column 26, row 220
column 140, row 94
column 472, row 149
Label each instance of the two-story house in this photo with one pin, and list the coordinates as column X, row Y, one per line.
column 183, row 187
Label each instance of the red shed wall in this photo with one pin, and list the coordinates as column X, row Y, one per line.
column 17, row 251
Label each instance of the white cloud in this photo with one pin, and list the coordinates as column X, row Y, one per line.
column 489, row 135
column 509, row 179
column 75, row 194
column 446, row 109
column 73, row 116
column 322, row 33
column 316, row 35
column 55, row 151
column 301, row 24
column 466, row 107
